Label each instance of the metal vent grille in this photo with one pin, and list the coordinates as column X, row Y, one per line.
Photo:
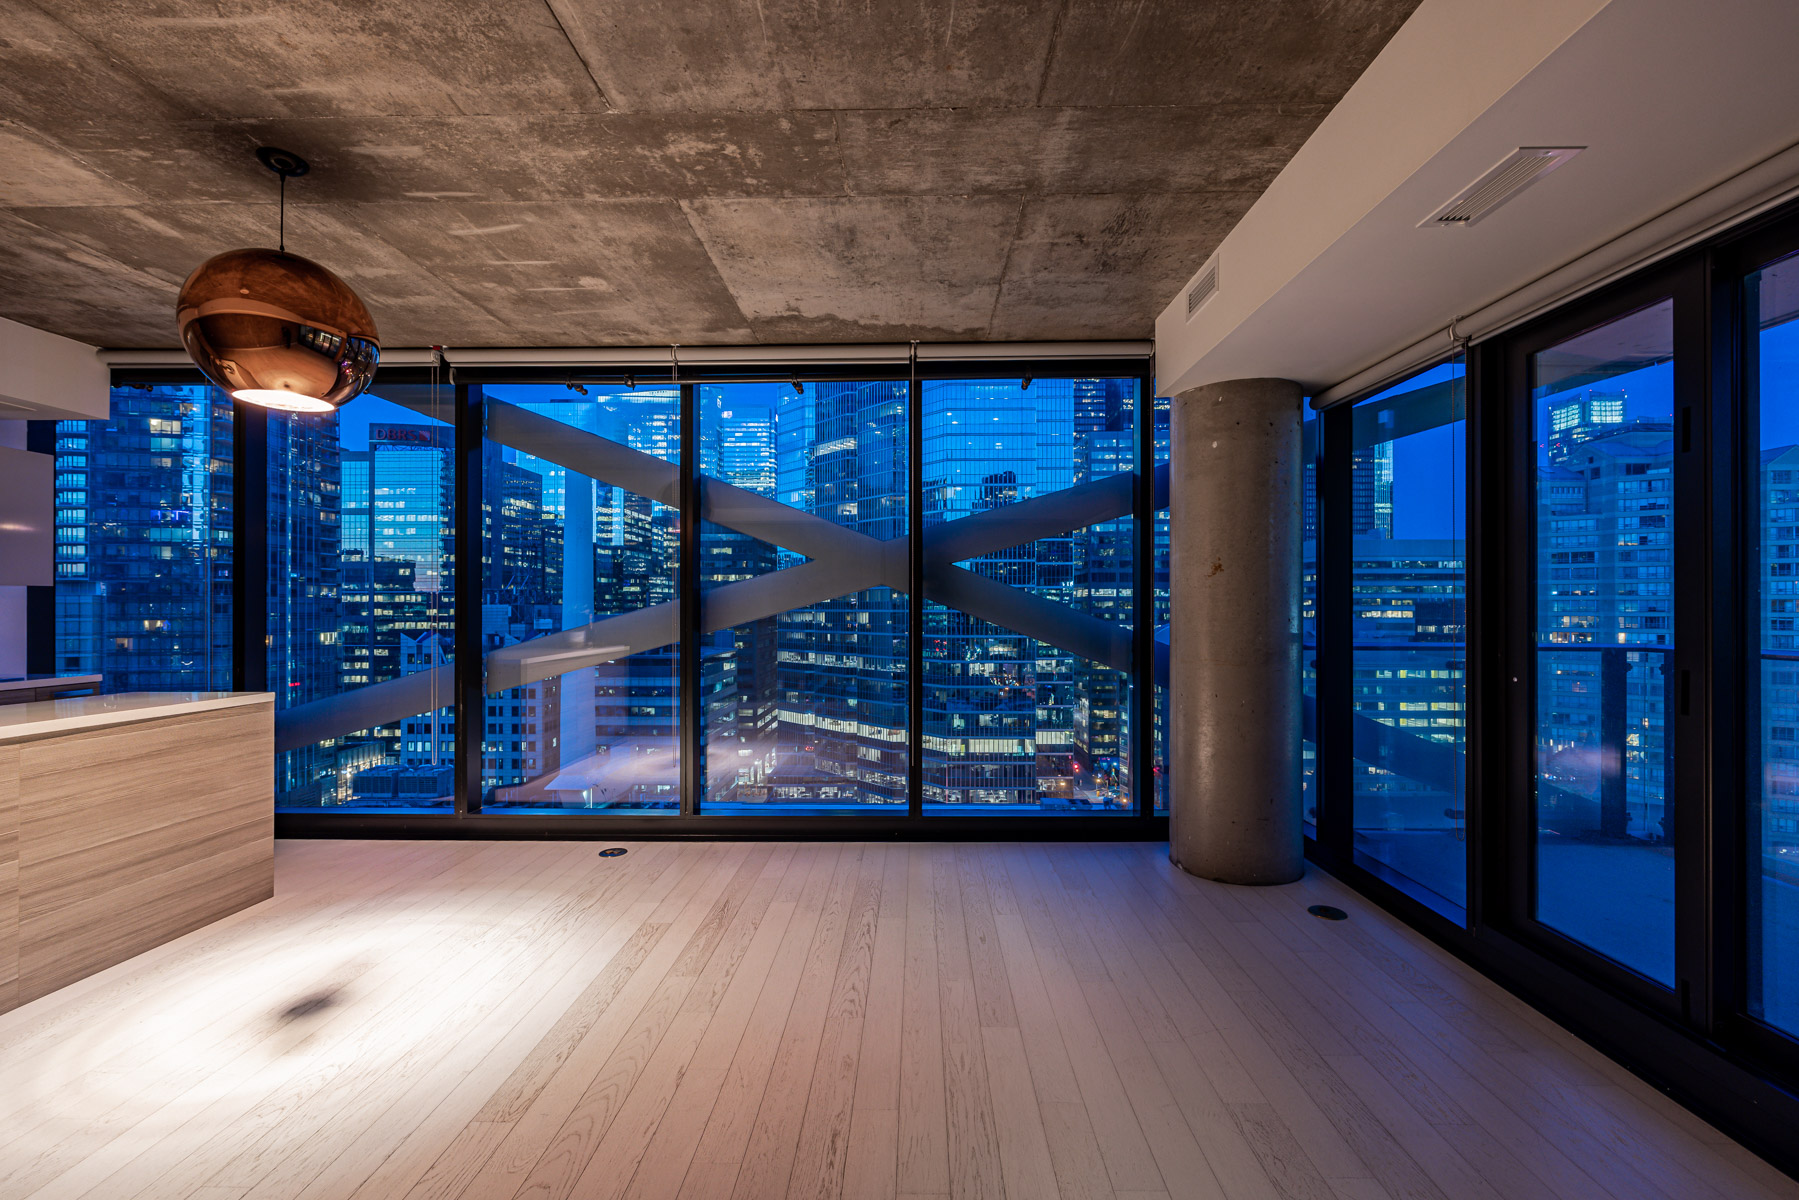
column 1517, row 171
column 1204, row 288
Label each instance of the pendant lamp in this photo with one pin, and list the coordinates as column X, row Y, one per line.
column 274, row 329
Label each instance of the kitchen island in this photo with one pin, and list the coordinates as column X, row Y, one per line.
column 126, row 821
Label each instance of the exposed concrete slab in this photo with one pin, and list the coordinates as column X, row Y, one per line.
column 80, row 294
column 317, row 58
column 1215, row 147
column 768, row 55
column 861, row 270
column 569, row 273
column 39, row 173
column 703, row 172
column 1085, row 266
column 1198, row 51
column 562, row 156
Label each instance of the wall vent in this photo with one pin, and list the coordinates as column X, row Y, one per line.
column 1517, row 171
column 1204, row 288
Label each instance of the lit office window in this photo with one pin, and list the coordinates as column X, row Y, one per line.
column 1408, row 592
column 143, row 541
column 580, row 619
column 1603, row 419
column 1029, row 589
column 804, row 605
column 1772, row 305
column 361, row 603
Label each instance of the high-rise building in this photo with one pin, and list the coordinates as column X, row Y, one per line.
column 1605, row 612
column 143, row 541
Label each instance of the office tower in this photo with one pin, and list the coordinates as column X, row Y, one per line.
column 143, row 554
column 1605, row 581
column 1779, row 570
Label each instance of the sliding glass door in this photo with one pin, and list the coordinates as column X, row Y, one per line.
column 1603, row 421
column 1771, row 306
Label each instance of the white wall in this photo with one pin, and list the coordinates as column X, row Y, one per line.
column 1330, row 273
column 12, row 599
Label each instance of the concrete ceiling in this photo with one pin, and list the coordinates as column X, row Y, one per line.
column 584, row 172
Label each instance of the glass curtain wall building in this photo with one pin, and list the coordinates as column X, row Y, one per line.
column 361, row 574
column 144, row 545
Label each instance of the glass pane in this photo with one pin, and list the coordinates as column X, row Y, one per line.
column 1309, row 432
column 804, row 613
column 361, row 602
column 1408, row 525
column 1603, row 417
column 1159, row 711
column 579, row 614
column 1773, row 934
column 143, row 541
column 1027, row 695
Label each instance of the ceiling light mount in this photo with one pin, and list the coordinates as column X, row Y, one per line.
column 284, row 163
column 274, row 329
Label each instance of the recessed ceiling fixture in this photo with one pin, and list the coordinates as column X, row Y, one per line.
column 1510, row 176
column 274, row 329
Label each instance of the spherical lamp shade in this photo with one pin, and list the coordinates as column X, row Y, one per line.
column 278, row 330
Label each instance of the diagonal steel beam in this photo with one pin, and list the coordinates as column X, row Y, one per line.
column 612, row 463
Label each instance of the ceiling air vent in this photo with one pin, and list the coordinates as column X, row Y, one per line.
column 1204, row 288
column 1517, row 171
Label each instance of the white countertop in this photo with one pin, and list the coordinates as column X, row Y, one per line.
column 21, row 722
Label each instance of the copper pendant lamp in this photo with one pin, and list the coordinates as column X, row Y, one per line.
column 274, row 329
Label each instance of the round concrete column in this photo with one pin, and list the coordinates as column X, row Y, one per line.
column 1233, row 719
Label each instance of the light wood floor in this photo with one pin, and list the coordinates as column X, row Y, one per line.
column 699, row 1021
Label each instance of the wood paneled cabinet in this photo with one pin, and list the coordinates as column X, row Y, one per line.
column 122, row 835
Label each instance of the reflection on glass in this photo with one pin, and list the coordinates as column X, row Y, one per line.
column 1408, row 526
column 804, row 613
column 143, row 541
column 1603, row 418
column 1772, row 301
column 1308, row 618
column 1159, row 711
column 579, row 618
column 360, row 593
column 1023, row 711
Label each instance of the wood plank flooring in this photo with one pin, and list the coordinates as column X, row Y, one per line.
column 739, row 1021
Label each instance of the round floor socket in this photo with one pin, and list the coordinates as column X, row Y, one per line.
column 1328, row 912
column 612, row 852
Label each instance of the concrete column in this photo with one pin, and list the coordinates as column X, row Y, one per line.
column 1234, row 534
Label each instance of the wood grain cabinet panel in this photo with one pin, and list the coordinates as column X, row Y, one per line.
column 119, row 839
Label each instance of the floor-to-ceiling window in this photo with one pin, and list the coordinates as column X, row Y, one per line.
column 580, row 628
column 1407, row 520
column 1162, row 597
column 1029, row 536
column 804, row 596
column 1603, row 440
column 865, row 599
column 361, row 603
column 1771, row 302
column 144, row 541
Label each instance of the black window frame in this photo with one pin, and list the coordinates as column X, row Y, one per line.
column 465, row 818
column 1695, row 1040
